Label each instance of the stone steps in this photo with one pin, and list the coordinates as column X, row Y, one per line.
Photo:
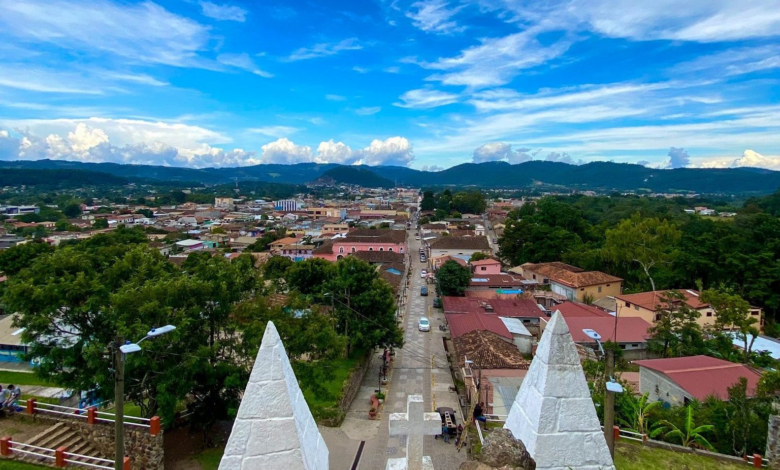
column 60, row 435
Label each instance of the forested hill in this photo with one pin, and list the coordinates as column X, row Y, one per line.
column 360, row 176
column 600, row 176
column 58, row 178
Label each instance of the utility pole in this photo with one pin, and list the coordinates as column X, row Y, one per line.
column 609, row 405
column 119, row 406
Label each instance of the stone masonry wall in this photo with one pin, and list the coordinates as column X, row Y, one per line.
column 773, row 442
column 146, row 452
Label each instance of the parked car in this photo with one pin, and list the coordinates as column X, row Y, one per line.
column 424, row 291
column 423, row 324
column 422, row 259
column 495, row 240
column 416, row 237
column 437, row 302
column 423, row 274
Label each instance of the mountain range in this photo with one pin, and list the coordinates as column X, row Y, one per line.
column 543, row 175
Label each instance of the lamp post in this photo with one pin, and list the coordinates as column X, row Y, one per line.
column 121, row 350
column 612, row 387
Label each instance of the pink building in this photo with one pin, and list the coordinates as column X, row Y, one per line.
column 362, row 240
column 486, row 266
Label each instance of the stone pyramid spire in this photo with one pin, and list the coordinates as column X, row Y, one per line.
column 553, row 413
column 274, row 427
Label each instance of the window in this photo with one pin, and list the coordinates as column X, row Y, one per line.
column 390, row 249
column 634, row 345
column 341, row 249
column 709, row 314
column 657, row 317
column 353, row 249
column 370, row 248
column 534, row 276
column 636, row 307
column 628, row 304
column 754, row 312
column 582, row 288
column 599, row 289
column 484, row 268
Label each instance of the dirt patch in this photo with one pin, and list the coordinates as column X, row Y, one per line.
column 182, row 446
column 21, row 427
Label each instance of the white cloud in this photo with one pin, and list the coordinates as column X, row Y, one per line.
column 368, row 110
column 331, row 97
column 678, row 158
column 431, row 168
column 562, row 157
column 40, row 80
column 335, row 152
column 749, row 159
column 392, row 69
column 696, row 20
column 425, row 98
column 433, row 16
column 325, row 49
column 285, row 151
column 242, row 61
column 274, row 131
column 497, row 60
column 223, row 12
column 735, row 61
column 393, row 151
column 144, row 33
column 140, row 79
column 359, row 69
column 500, row 151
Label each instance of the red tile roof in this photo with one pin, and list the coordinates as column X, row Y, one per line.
column 489, row 351
column 650, row 300
column 496, row 280
column 463, row 323
column 501, row 307
column 570, row 275
column 574, row 309
column 702, row 376
column 485, row 262
column 629, row 329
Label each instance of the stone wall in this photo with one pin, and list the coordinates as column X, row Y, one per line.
column 773, row 442
column 349, row 392
column 146, row 452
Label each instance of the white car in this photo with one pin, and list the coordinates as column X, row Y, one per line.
column 423, row 274
column 423, row 324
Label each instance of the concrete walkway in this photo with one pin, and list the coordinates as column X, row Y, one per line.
column 420, row 367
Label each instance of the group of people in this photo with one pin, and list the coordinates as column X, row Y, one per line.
column 10, row 398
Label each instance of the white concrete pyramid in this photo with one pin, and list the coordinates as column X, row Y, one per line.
column 553, row 413
column 274, row 427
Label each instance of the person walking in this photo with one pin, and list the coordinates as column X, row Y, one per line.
column 459, row 436
column 445, row 433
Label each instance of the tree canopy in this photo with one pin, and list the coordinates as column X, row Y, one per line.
column 453, row 279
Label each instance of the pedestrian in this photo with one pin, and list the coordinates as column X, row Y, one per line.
column 445, row 433
column 478, row 416
column 11, row 398
column 459, row 435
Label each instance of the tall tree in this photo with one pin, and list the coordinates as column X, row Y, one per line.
column 675, row 328
column 732, row 313
column 453, row 279
column 648, row 242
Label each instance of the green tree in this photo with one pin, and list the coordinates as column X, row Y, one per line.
column 16, row 258
column 689, row 436
column 635, row 412
column 453, row 279
column 309, row 276
column 428, row 203
column 100, row 223
column 276, row 267
column 364, row 304
column 732, row 313
column 648, row 242
column 675, row 329
column 478, row 256
column 72, row 210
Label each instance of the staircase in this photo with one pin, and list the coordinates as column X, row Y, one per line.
column 61, row 435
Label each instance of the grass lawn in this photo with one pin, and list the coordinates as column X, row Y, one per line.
column 209, row 459
column 8, row 464
column 131, row 409
column 22, row 378
column 325, row 407
column 634, row 456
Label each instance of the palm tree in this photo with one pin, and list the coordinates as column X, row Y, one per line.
column 690, row 436
column 637, row 412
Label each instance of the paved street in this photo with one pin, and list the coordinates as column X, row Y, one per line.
column 420, row 367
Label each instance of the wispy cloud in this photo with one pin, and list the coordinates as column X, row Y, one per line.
column 331, row 97
column 737, row 61
column 223, row 12
column 434, row 16
column 243, row 61
column 325, row 49
column 143, row 33
column 368, row 110
column 46, row 81
column 274, row 131
column 425, row 98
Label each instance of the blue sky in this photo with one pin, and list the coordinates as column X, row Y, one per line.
column 429, row 84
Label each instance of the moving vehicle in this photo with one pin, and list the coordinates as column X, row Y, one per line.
column 423, row 324
column 423, row 274
column 424, row 291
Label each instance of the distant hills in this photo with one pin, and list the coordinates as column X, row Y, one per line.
column 598, row 176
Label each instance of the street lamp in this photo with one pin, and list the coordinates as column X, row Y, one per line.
column 612, row 386
column 122, row 349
